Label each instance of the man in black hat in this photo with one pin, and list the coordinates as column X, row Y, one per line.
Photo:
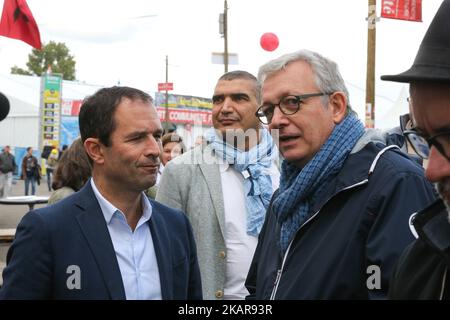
column 422, row 271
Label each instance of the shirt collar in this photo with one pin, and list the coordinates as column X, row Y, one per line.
column 108, row 209
column 224, row 167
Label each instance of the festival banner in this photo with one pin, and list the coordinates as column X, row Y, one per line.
column 50, row 110
column 410, row 10
column 186, row 116
column 182, row 102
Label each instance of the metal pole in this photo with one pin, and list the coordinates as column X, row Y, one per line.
column 225, row 35
column 166, row 129
column 370, row 80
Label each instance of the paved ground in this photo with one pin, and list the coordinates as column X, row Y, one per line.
column 10, row 215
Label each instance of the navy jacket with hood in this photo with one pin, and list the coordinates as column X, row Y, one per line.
column 359, row 227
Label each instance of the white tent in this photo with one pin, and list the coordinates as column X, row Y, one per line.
column 391, row 118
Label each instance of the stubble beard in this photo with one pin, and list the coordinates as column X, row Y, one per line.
column 443, row 188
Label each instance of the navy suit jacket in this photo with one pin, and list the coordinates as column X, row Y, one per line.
column 73, row 232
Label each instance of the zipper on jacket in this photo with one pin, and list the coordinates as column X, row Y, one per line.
column 444, row 279
column 275, row 285
column 280, row 271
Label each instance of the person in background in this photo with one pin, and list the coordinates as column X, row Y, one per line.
column 7, row 168
column 72, row 172
column 63, row 149
column 225, row 187
column 339, row 221
column 108, row 241
column 52, row 161
column 30, row 171
column 172, row 147
column 423, row 271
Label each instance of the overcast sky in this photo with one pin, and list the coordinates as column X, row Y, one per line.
column 127, row 41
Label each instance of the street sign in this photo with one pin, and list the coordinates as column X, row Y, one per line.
column 165, row 86
column 218, row 58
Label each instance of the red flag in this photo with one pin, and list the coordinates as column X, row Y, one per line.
column 410, row 10
column 18, row 23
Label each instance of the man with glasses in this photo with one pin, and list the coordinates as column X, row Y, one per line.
column 339, row 220
column 423, row 269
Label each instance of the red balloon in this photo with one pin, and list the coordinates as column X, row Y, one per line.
column 269, row 41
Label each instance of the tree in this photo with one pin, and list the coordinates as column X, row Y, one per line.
column 55, row 55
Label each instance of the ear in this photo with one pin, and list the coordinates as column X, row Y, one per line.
column 338, row 103
column 94, row 149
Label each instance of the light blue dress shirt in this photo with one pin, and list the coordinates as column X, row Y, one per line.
column 134, row 250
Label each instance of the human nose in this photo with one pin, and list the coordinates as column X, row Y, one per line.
column 153, row 147
column 227, row 105
column 278, row 119
column 438, row 166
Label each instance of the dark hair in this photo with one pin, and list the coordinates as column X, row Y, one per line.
column 96, row 117
column 241, row 74
column 173, row 137
column 73, row 169
column 238, row 74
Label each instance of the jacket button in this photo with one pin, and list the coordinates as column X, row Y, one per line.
column 222, row 254
column 219, row 294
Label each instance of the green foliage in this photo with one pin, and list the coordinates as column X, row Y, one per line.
column 17, row 70
column 55, row 55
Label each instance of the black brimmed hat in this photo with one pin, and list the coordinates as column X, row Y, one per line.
column 432, row 62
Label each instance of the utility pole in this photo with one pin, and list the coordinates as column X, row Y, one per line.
column 225, row 36
column 166, row 129
column 370, row 75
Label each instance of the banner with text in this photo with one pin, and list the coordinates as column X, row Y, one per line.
column 50, row 110
column 186, row 116
column 410, row 10
column 183, row 102
column 71, row 107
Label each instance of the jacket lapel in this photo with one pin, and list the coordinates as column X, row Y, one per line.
column 159, row 234
column 93, row 226
column 210, row 169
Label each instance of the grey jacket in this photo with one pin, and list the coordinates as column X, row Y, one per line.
column 196, row 189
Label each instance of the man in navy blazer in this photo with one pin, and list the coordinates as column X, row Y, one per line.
column 108, row 241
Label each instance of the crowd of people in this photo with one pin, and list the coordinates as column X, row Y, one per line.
column 347, row 214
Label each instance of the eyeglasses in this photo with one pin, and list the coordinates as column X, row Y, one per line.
column 288, row 105
column 422, row 145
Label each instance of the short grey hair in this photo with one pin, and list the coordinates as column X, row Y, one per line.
column 327, row 76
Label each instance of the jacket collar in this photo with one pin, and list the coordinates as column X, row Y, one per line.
column 355, row 171
column 93, row 226
column 433, row 227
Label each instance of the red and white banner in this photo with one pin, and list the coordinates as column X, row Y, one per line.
column 410, row 10
column 71, row 107
column 165, row 86
column 186, row 116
